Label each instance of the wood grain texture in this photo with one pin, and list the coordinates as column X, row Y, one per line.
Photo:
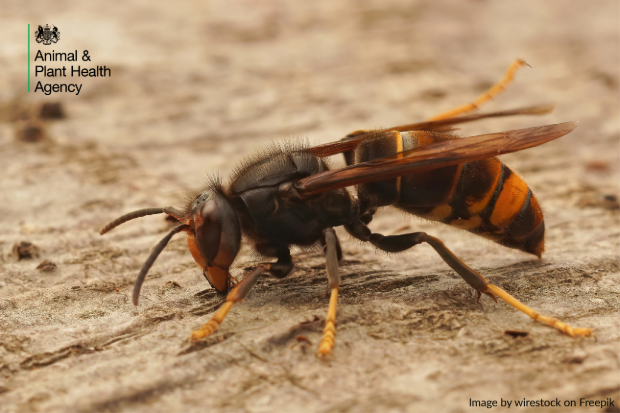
column 196, row 87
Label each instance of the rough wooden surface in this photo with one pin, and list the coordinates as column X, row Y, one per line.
column 196, row 87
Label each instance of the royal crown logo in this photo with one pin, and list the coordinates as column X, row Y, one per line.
column 46, row 35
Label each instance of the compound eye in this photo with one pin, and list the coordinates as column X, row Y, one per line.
column 208, row 229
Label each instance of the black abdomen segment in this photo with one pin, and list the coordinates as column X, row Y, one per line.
column 484, row 197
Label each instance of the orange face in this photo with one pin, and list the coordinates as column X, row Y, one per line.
column 217, row 273
column 214, row 241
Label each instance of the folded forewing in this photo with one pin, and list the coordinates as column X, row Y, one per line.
column 355, row 138
column 437, row 155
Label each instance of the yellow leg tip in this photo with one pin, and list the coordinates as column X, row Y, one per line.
column 583, row 332
column 212, row 325
column 197, row 335
column 550, row 321
column 329, row 332
column 204, row 331
column 327, row 342
column 325, row 349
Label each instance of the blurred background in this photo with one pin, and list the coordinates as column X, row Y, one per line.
column 198, row 85
column 189, row 79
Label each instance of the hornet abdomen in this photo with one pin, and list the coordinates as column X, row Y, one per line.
column 483, row 197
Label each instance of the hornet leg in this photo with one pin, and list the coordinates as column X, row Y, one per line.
column 241, row 290
column 398, row 243
column 332, row 250
column 281, row 268
column 488, row 95
column 284, row 265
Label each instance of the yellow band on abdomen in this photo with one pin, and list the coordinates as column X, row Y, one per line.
column 510, row 201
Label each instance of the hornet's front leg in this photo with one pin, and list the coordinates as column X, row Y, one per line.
column 281, row 268
column 241, row 290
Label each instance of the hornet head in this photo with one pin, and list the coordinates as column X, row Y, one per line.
column 213, row 236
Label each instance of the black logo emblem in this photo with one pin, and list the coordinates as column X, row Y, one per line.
column 46, row 35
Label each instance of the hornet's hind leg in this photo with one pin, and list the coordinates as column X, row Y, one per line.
column 488, row 95
column 398, row 243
